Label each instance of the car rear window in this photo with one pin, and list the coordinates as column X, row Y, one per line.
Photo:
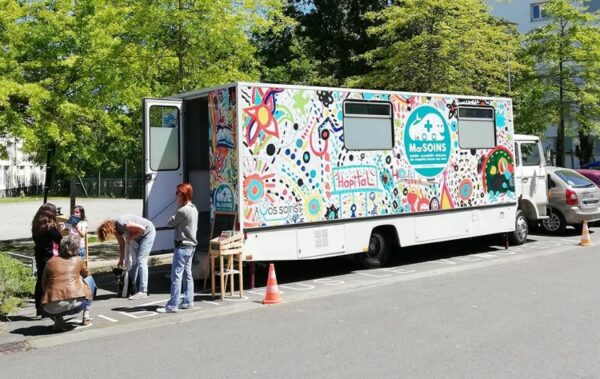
column 574, row 179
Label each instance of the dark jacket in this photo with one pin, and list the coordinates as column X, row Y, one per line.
column 62, row 280
column 43, row 244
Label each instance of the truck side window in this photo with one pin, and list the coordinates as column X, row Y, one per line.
column 368, row 125
column 164, row 138
column 530, row 154
column 476, row 127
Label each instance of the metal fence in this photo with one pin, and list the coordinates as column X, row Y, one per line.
column 84, row 187
column 103, row 187
column 22, row 191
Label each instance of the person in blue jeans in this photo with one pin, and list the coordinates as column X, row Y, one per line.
column 185, row 222
column 132, row 228
column 68, row 287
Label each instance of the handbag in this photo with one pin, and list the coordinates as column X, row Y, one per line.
column 125, row 286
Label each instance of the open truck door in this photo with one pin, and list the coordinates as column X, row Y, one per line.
column 163, row 165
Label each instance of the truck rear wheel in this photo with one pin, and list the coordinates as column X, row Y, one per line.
column 519, row 236
column 377, row 254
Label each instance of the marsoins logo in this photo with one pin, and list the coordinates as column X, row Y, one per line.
column 427, row 141
column 224, row 199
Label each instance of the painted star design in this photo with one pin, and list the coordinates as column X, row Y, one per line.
column 261, row 115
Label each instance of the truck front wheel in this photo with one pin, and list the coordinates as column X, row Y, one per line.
column 377, row 254
column 519, row 236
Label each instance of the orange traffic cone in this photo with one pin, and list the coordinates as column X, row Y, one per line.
column 272, row 295
column 585, row 236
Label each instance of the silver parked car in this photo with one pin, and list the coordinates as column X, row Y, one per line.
column 572, row 199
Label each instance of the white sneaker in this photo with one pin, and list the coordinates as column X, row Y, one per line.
column 139, row 295
column 165, row 310
column 186, row 306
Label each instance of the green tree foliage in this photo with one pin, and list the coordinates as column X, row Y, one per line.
column 182, row 45
column 323, row 46
column 440, row 46
column 562, row 86
column 73, row 72
column 285, row 54
column 68, row 77
column 337, row 30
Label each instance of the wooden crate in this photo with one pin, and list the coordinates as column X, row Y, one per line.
column 228, row 249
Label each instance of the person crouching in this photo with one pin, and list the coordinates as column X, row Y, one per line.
column 68, row 287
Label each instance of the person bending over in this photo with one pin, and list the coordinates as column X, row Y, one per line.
column 132, row 228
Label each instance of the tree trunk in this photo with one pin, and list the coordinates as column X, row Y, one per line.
column 586, row 147
column 560, row 138
column 72, row 195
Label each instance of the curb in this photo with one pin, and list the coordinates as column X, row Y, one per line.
column 106, row 265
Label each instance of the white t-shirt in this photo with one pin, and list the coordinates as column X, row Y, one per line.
column 82, row 226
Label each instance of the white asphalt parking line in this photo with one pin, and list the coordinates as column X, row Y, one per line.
column 108, row 318
column 372, row 275
column 567, row 240
column 297, row 286
column 151, row 303
column 236, row 299
column 139, row 314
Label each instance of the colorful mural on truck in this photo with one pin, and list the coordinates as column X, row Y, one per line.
column 296, row 169
column 223, row 151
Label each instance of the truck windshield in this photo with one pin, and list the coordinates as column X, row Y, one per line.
column 573, row 179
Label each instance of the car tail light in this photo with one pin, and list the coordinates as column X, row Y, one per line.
column 571, row 197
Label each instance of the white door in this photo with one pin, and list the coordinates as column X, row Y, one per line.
column 163, row 164
column 531, row 174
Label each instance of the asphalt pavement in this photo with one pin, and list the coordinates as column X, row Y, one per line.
column 16, row 217
column 527, row 312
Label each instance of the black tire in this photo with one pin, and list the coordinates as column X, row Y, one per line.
column 555, row 223
column 519, row 236
column 378, row 252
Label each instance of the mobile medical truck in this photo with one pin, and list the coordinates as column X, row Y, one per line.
column 310, row 172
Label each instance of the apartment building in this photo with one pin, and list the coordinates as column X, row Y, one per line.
column 19, row 174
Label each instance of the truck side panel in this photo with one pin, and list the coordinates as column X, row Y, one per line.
column 223, row 150
column 296, row 169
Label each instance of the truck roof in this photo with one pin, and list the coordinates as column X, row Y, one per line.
column 199, row 92
column 525, row 137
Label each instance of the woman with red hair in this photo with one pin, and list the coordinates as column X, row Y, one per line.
column 185, row 222
column 136, row 231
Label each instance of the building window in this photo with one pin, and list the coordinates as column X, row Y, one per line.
column 476, row 127
column 537, row 12
column 368, row 125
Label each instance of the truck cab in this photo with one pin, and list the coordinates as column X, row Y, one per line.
column 530, row 184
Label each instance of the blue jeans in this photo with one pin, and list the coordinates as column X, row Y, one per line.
column 141, row 266
column 181, row 273
column 89, row 280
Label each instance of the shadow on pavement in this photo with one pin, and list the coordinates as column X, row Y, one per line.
column 141, row 308
column 36, row 330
